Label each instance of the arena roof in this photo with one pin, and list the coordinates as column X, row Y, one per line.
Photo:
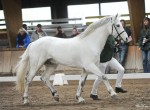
column 45, row 3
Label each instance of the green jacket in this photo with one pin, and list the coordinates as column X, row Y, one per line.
column 108, row 51
column 145, row 33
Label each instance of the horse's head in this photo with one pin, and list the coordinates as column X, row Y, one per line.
column 117, row 29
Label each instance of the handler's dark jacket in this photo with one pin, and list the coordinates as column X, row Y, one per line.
column 145, row 33
column 108, row 51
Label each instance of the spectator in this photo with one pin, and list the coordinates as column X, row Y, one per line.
column 144, row 44
column 22, row 39
column 25, row 26
column 123, row 46
column 38, row 33
column 60, row 33
column 84, row 27
column 75, row 32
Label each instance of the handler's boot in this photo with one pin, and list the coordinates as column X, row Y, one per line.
column 121, row 90
column 94, row 97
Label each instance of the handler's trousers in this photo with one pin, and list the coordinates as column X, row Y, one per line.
column 113, row 63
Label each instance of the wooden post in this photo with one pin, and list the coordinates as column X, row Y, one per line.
column 137, row 13
column 13, row 19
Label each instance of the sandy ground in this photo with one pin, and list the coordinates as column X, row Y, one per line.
column 137, row 98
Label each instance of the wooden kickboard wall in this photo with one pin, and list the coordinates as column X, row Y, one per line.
column 134, row 59
column 9, row 59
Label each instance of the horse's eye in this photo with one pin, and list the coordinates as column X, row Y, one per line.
column 118, row 25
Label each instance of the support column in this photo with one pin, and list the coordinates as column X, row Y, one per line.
column 13, row 19
column 137, row 13
column 59, row 10
column 99, row 8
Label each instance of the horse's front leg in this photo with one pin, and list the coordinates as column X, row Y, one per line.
column 94, row 69
column 80, row 87
column 109, row 88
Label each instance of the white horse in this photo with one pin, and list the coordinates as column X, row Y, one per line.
column 82, row 51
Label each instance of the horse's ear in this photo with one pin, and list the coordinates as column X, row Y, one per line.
column 117, row 16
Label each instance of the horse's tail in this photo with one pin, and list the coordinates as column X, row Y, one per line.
column 21, row 70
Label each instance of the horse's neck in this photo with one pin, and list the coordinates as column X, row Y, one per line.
column 97, row 39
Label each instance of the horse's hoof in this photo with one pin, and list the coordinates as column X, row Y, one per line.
column 27, row 102
column 81, row 100
column 114, row 96
column 56, row 98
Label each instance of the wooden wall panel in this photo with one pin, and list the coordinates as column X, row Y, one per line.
column 134, row 59
column 138, row 61
column 1, row 60
column 130, row 58
column 15, row 58
column 6, row 63
column 9, row 59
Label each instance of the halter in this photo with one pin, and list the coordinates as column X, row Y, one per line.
column 117, row 32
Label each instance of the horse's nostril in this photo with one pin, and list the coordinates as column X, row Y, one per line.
column 126, row 39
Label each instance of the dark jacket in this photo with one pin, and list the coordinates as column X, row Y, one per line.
column 73, row 35
column 128, row 31
column 61, row 35
column 145, row 33
column 108, row 51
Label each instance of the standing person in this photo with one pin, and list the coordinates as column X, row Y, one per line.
column 75, row 32
column 22, row 39
column 38, row 33
column 60, row 33
column 144, row 44
column 124, row 46
column 106, row 59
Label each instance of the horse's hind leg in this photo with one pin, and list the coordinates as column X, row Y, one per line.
column 49, row 70
column 80, row 87
column 34, row 67
column 28, row 80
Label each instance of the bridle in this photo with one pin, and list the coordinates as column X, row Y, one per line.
column 119, row 34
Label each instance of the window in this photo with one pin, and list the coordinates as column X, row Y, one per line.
column 2, row 21
column 40, row 13
column 81, row 11
column 147, row 7
column 114, row 8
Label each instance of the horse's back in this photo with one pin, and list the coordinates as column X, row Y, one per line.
column 61, row 50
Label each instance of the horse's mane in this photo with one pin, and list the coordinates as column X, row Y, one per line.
column 94, row 26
